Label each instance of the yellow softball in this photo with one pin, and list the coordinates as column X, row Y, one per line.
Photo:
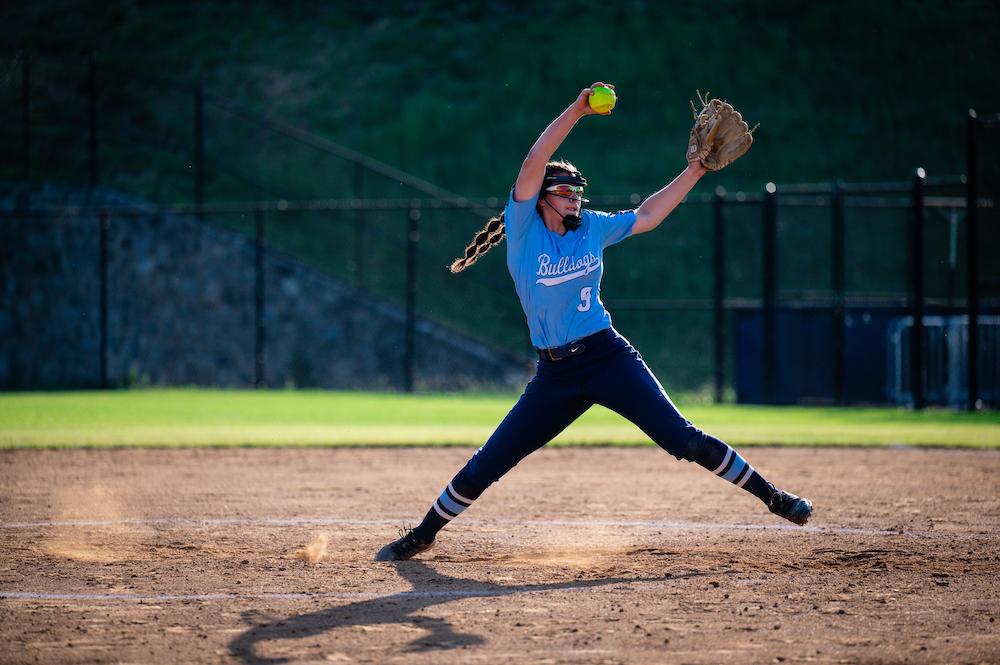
column 603, row 99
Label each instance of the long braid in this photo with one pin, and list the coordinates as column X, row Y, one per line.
column 494, row 231
column 486, row 239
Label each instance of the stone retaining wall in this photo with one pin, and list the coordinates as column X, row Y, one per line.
column 181, row 309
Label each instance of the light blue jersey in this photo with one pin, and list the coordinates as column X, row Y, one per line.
column 558, row 278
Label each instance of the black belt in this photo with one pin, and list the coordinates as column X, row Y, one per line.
column 578, row 347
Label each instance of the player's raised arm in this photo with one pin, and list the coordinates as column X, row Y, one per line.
column 529, row 179
column 718, row 138
column 654, row 210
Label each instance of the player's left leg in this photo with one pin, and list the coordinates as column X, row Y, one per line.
column 724, row 461
column 628, row 387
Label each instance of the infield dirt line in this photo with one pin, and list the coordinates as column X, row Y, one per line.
column 318, row 522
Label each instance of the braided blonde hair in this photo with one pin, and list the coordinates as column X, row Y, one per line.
column 495, row 230
column 487, row 238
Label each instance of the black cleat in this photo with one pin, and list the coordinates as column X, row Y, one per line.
column 793, row 508
column 405, row 548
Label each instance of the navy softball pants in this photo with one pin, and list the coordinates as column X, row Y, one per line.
column 610, row 373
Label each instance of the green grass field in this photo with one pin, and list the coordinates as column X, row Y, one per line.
column 193, row 417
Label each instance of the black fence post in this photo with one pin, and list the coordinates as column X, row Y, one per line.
column 199, row 148
column 770, row 269
column 92, row 113
column 26, row 114
column 359, row 227
column 105, row 224
column 259, row 322
column 917, row 364
column 719, row 294
column 972, row 249
column 413, row 237
column 838, row 286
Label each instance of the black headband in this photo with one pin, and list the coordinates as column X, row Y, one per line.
column 574, row 178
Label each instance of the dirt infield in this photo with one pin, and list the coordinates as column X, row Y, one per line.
column 580, row 555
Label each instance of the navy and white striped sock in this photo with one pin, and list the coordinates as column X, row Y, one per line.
column 734, row 468
column 451, row 504
column 456, row 497
column 721, row 459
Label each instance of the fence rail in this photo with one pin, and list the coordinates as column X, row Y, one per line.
column 407, row 211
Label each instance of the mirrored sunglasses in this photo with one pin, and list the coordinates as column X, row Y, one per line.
column 565, row 190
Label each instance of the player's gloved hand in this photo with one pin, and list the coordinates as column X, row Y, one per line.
column 719, row 135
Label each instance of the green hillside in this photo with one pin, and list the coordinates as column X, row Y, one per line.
column 455, row 92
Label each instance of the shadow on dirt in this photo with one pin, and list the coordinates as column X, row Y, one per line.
column 430, row 588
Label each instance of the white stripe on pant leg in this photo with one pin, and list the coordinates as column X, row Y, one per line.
column 458, row 497
column 451, row 504
column 740, row 471
column 749, row 472
column 725, row 460
column 442, row 513
column 735, row 471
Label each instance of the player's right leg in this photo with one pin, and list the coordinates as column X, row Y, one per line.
column 546, row 408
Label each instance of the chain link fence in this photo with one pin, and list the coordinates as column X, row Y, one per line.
column 777, row 295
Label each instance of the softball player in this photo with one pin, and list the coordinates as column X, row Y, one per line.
column 555, row 255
